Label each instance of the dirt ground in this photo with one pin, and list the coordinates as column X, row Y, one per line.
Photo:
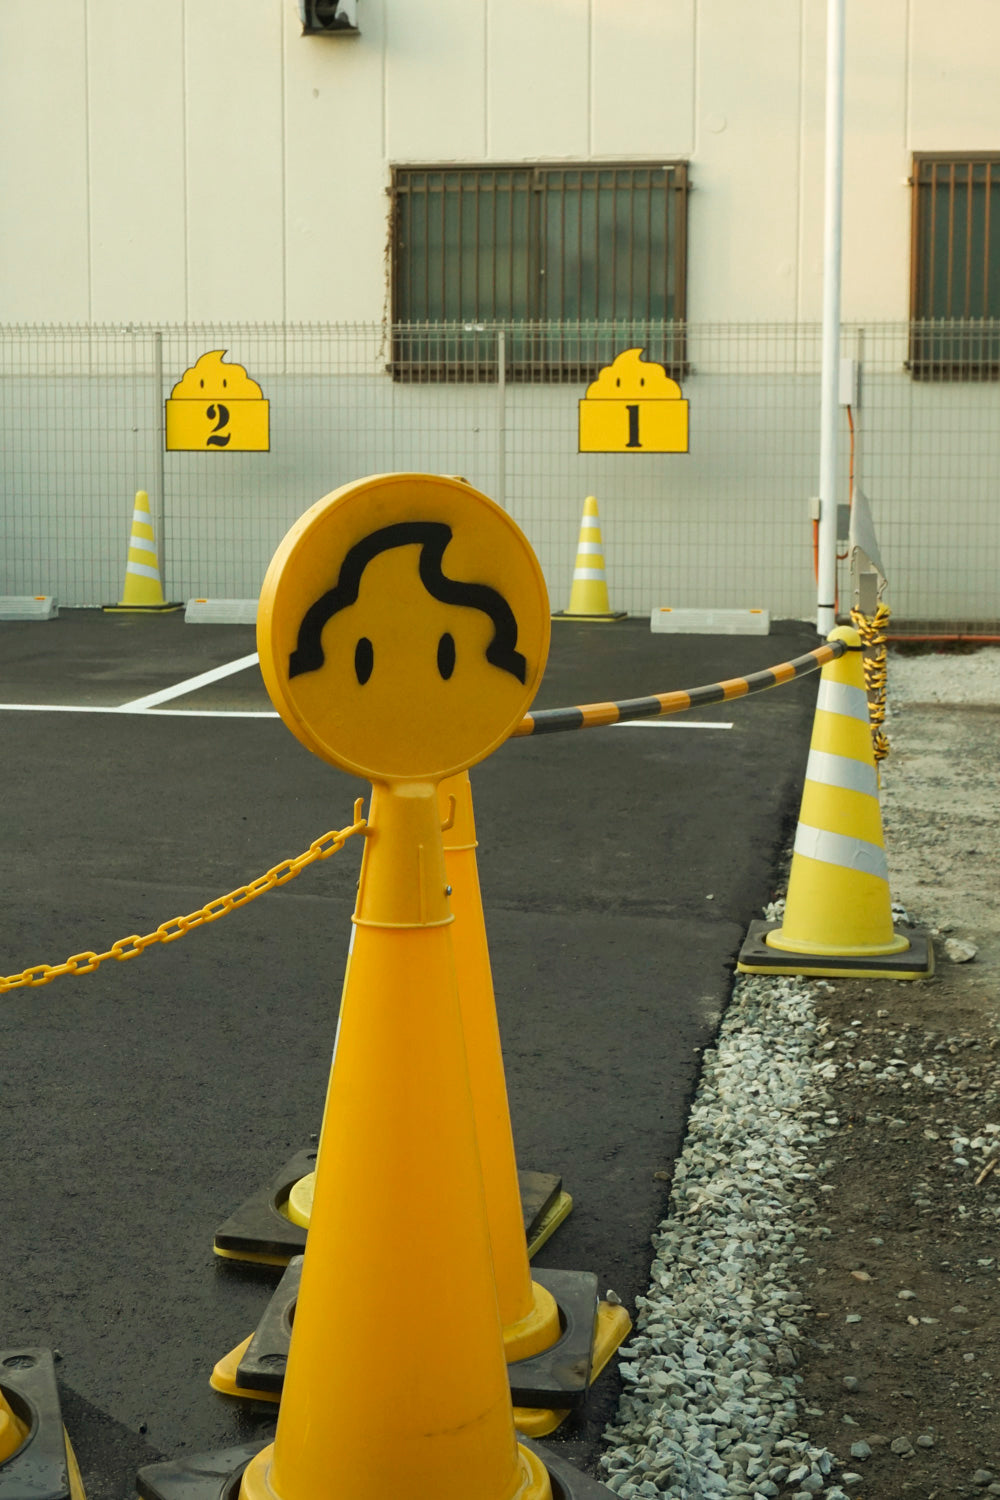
column 902, row 1358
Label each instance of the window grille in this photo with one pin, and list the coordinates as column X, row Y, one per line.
column 955, row 267
column 601, row 245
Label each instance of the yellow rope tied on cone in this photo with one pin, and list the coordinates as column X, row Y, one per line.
column 875, row 659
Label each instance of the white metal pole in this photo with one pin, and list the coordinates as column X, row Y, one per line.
column 826, row 582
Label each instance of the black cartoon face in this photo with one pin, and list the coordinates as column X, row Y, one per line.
column 403, row 627
column 405, row 654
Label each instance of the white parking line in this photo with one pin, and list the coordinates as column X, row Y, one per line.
column 161, row 713
column 216, row 674
column 190, row 684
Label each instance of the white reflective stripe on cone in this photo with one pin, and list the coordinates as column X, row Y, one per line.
column 142, row 570
column 590, row 547
column 141, row 544
column 841, row 698
column 841, row 771
column 580, row 574
column 839, row 849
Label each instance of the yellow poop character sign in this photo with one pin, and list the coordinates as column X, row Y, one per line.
column 216, row 408
column 633, row 407
column 403, row 630
column 403, row 627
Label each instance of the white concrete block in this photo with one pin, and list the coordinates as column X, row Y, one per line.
column 670, row 621
column 220, row 612
column 30, row 607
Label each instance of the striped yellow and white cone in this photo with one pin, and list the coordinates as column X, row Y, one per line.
column 143, row 589
column 588, row 599
column 838, row 911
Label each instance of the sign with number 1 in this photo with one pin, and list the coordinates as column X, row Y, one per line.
column 633, row 407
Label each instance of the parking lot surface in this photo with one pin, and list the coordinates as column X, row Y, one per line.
column 144, row 1102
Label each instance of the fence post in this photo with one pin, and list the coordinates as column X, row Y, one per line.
column 157, row 486
column 501, row 494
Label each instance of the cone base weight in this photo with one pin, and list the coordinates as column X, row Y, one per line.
column 557, row 1379
column 261, row 1233
column 543, row 1224
column 612, row 1328
column 258, row 1231
column 219, row 1475
column 140, row 609
column 44, row 1466
column 916, row 961
column 565, row 614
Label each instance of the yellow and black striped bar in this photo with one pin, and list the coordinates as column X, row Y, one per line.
column 660, row 705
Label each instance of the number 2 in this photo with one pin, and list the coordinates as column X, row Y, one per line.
column 216, row 438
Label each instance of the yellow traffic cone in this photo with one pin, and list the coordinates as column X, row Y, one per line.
column 557, row 1336
column 399, row 1325
column 528, row 1312
column 532, row 1311
column 588, row 599
column 399, row 1085
column 143, row 591
column 838, row 911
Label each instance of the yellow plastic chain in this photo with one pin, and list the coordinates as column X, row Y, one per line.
column 169, row 932
column 872, row 633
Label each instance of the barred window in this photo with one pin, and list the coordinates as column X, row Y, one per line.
column 560, row 245
column 955, row 267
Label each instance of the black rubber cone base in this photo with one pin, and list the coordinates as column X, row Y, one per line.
column 567, row 1483
column 914, row 962
column 262, row 1234
column 217, row 1476
column 140, row 609
column 205, row 1476
column 43, row 1467
column 558, row 1378
column 608, row 619
column 259, row 1231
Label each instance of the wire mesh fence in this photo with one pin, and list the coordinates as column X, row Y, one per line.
column 726, row 524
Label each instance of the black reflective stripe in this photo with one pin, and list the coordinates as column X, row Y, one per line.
column 713, row 693
column 768, row 678
column 639, row 708
column 551, row 720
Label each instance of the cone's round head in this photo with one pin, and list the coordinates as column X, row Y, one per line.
column 403, row 627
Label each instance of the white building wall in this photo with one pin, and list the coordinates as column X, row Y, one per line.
column 201, row 159
column 200, row 162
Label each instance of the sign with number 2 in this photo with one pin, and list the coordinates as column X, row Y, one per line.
column 216, row 408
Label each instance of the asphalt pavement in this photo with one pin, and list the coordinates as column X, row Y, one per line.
column 142, row 1103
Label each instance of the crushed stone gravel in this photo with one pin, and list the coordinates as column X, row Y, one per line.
column 710, row 1406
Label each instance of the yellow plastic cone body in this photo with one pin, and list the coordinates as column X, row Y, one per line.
column 528, row 1312
column 589, row 594
column 838, row 890
column 396, row 1381
column 142, row 570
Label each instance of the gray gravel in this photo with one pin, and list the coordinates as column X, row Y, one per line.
column 709, row 1407
column 710, row 1403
